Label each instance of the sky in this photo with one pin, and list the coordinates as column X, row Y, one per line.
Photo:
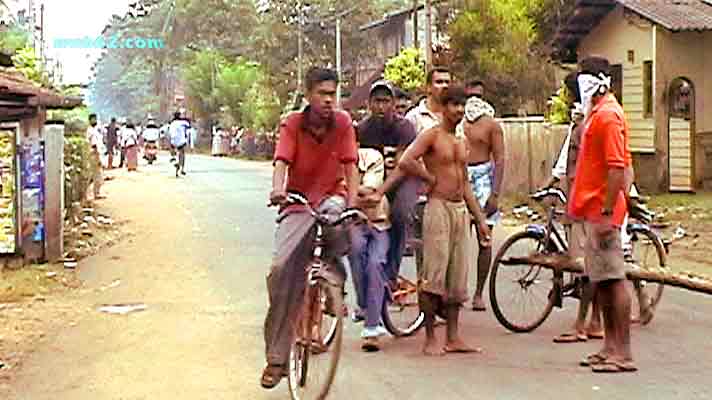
column 70, row 19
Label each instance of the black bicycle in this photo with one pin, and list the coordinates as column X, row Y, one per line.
column 523, row 295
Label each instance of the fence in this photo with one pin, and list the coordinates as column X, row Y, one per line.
column 531, row 148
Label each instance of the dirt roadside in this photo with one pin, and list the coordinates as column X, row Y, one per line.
column 157, row 265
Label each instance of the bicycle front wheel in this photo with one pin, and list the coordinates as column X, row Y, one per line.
column 521, row 295
column 648, row 253
column 401, row 314
column 312, row 364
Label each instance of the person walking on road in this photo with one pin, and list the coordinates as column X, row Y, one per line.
column 178, row 132
column 111, row 142
column 95, row 142
column 316, row 155
column 130, row 142
column 598, row 199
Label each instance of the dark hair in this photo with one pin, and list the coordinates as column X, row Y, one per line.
column 176, row 115
column 92, row 116
column 571, row 84
column 318, row 75
column 113, row 119
column 429, row 76
column 454, row 95
column 475, row 83
column 400, row 94
column 130, row 125
column 595, row 65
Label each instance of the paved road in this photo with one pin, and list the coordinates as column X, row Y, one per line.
column 202, row 337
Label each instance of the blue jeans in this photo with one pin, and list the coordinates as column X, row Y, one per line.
column 369, row 250
column 403, row 201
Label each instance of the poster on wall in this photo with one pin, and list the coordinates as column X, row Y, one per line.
column 33, row 164
column 8, row 175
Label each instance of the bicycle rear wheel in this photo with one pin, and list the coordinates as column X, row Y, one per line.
column 648, row 253
column 401, row 314
column 521, row 295
column 312, row 366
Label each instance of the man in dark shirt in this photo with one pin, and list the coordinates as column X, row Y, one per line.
column 391, row 134
column 111, row 142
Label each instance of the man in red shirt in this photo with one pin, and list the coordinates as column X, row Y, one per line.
column 598, row 198
column 316, row 155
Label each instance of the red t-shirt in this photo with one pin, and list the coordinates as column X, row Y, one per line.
column 316, row 167
column 604, row 145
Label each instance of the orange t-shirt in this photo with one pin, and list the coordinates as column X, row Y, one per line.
column 604, row 145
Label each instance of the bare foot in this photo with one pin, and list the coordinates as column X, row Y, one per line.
column 458, row 346
column 431, row 348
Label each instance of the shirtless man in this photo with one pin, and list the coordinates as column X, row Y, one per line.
column 486, row 169
column 442, row 280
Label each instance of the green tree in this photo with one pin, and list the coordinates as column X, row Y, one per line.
column 407, row 69
column 31, row 66
column 498, row 41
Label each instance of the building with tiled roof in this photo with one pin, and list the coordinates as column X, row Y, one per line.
column 661, row 51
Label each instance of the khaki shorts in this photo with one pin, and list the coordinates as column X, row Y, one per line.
column 576, row 239
column 603, row 255
column 446, row 250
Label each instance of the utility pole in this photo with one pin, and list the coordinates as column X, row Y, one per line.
column 300, row 50
column 428, row 35
column 338, row 60
column 416, row 43
column 42, row 43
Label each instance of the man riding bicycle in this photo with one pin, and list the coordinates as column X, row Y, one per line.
column 316, row 155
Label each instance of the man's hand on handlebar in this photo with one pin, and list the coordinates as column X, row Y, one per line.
column 277, row 197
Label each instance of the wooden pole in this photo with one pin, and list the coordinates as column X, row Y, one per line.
column 416, row 42
column 428, row 34
column 562, row 264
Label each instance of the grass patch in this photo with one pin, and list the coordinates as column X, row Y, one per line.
column 26, row 282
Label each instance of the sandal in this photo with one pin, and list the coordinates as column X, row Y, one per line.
column 614, row 366
column 272, row 375
column 593, row 359
column 571, row 337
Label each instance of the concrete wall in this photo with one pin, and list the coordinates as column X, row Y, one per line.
column 617, row 34
column 531, row 148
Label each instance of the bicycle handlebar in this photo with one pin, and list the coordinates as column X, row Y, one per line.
column 548, row 192
column 294, row 198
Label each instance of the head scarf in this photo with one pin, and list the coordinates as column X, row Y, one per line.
column 589, row 86
column 475, row 108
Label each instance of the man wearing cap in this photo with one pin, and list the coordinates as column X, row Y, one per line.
column 390, row 134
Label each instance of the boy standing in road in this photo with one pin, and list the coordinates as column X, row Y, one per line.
column 442, row 280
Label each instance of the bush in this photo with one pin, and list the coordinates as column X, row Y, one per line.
column 79, row 168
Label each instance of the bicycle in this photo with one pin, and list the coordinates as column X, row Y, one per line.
column 545, row 288
column 319, row 325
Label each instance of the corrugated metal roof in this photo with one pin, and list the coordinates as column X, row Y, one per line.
column 675, row 15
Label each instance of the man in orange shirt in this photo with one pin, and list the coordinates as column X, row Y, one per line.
column 598, row 198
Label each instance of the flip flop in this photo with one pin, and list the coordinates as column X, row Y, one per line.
column 614, row 366
column 592, row 359
column 272, row 375
column 595, row 335
column 571, row 337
